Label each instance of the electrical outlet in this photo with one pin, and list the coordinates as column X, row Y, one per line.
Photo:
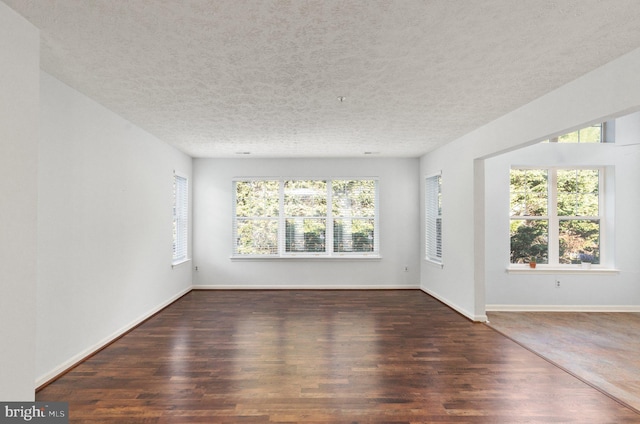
column 558, row 283
column 196, row 268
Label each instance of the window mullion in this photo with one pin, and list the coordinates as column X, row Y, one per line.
column 602, row 216
column 328, row 238
column 554, row 222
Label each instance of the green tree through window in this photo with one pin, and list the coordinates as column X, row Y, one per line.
column 292, row 217
column 555, row 215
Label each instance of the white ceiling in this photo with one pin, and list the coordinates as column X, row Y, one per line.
column 217, row 77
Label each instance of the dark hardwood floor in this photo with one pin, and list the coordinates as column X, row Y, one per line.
column 387, row 356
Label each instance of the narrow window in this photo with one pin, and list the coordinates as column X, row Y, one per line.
column 354, row 216
column 305, row 208
column 529, row 216
column 433, row 217
column 578, row 201
column 180, row 218
column 257, row 211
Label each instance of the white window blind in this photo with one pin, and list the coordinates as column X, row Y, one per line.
column 180, row 218
column 433, row 218
column 305, row 208
column 305, row 217
column 354, row 216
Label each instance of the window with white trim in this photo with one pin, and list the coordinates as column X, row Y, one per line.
column 556, row 215
column 180, row 218
column 590, row 134
column 331, row 217
column 433, row 218
column 597, row 133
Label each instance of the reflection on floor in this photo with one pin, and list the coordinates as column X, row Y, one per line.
column 602, row 349
column 322, row 357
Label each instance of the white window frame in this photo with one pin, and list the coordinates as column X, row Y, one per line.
column 282, row 234
column 602, row 126
column 553, row 219
column 433, row 218
column 330, row 220
column 180, row 221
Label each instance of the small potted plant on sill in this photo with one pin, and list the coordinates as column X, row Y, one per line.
column 532, row 262
column 574, row 257
column 585, row 260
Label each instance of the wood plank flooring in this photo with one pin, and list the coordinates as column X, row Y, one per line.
column 388, row 356
column 599, row 347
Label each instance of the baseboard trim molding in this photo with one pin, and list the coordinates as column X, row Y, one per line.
column 563, row 308
column 72, row 362
column 461, row 311
column 307, row 287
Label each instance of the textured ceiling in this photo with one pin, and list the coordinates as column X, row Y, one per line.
column 217, row 77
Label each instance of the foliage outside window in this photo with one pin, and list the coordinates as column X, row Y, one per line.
column 354, row 205
column 257, row 217
column 305, row 208
column 590, row 134
column 433, row 218
column 305, row 217
column 555, row 216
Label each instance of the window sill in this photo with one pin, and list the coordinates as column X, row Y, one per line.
column 434, row 263
column 178, row 263
column 307, row 257
column 576, row 269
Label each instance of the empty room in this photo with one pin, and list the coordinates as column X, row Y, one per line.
column 308, row 211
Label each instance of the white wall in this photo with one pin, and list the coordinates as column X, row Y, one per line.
column 398, row 179
column 608, row 91
column 19, row 73
column 452, row 282
column 577, row 291
column 627, row 129
column 104, row 227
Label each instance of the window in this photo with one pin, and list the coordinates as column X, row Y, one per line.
column 354, row 206
column 180, row 218
column 591, row 134
column 556, row 215
column 305, row 217
column 305, row 209
column 257, row 217
column 433, row 217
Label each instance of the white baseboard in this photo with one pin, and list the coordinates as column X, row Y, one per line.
column 306, row 287
column 563, row 308
column 472, row 317
column 76, row 359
